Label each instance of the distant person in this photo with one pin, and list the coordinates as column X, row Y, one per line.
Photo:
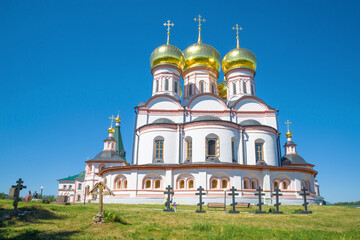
column 174, row 205
column 35, row 195
column 27, row 198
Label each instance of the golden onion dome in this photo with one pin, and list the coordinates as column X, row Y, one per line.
column 167, row 54
column 239, row 58
column 200, row 54
column 222, row 89
column 288, row 134
column 111, row 130
column 117, row 119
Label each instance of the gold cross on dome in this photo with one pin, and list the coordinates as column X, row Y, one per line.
column 288, row 124
column 200, row 20
column 168, row 25
column 112, row 119
column 237, row 28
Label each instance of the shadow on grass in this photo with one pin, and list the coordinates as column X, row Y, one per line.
column 30, row 214
column 27, row 234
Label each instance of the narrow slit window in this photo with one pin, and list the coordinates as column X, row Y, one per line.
column 189, row 149
column 234, row 88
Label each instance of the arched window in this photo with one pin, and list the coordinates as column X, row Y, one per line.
column 118, row 184
column 159, row 149
column 64, row 187
column 214, row 183
column 157, row 86
column 102, row 167
column 148, row 183
column 191, row 184
column 284, row 185
column 190, row 89
column 182, row 184
column 89, row 168
column 166, row 84
column 201, row 87
column 212, row 146
column 78, row 198
column 259, row 150
column 176, row 86
column 252, row 90
column 189, row 149
column 87, row 190
column 224, row 183
column 79, row 186
column 213, row 88
column 234, row 88
column 253, row 184
column 157, row 184
column 246, row 184
column 276, row 184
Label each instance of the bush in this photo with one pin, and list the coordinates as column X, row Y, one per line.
column 2, row 195
column 50, row 198
column 113, row 216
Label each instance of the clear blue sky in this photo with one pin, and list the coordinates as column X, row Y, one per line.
column 66, row 66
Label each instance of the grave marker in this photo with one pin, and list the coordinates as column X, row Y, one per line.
column 200, row 193
column 168, row 200
column 259, row 190
column 100, row 187
column 233, row 194
column 18, row 188
column 277, row 204
column 304, row 194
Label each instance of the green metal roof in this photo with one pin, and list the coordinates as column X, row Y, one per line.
column 73, row 178
column 119, row 143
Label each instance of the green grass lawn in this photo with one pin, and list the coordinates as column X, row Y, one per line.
column 146, row 222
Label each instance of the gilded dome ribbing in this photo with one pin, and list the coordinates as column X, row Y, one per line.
column 200, row 54
column 167, row 54
column 239, row 58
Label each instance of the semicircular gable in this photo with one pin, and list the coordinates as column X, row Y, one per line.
column 206, row 102
column 163, row 102
column 250, row 104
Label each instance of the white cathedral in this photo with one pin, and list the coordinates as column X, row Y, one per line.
column 213, row 135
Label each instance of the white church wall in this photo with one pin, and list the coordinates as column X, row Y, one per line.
column 269, row 147
column 199, row 134
column 207, row 103
column 249, row 104
column 147, row 141
column 163, row 103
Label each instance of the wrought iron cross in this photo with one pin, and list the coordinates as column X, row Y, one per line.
column 168, row 201
column 200, row 193
column 168, row 25
column 304, row 194
column 233, row 194
column 237, row 28
column 18, row 188
column 259, row 190
column 277, row 194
